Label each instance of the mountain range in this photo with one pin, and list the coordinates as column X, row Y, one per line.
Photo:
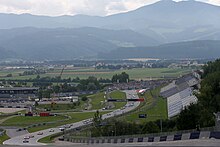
column 164, row 22
column 64, row 43
column 205, row 49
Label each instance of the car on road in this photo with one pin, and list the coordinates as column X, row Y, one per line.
column 26, row 137
column 85, row 121
column 25, row 141
column 40, row 133
column 67, row 126
column 62, row 129
column 51, row 130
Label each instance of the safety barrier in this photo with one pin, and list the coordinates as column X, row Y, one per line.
column 174, row 137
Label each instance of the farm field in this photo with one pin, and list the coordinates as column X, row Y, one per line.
column 83, row 73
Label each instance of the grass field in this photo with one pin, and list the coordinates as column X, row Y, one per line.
column 118, row 95
column 3, row 138
column 140, row 73
column 155, row 108
column 23, row 121
column 97, row 101
column 63, row 107
column 75, row 117
column 48, row 139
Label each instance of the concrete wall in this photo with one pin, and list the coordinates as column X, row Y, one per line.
column 175, row 137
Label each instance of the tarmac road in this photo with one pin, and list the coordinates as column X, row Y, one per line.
column 18, row 140
column 13, row 132
column 187, row 143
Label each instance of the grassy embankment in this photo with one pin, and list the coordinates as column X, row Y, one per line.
column 63, row 107
column 155, row 108
column 26, row 121
column 3, row 138
column 118, row 95
column 98, row 100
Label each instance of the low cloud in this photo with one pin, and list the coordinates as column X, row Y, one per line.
column 73, row 7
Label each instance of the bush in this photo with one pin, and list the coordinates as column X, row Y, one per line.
column 84, row 98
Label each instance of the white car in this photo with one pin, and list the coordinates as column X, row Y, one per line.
column 51, row 130
column 62, row 129
column 26, row 137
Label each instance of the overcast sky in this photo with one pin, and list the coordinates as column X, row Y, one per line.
column 73, row 7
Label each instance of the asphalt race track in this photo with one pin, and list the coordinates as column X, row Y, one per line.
column 18, row 140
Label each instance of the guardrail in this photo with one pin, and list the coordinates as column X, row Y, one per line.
column 147, row 138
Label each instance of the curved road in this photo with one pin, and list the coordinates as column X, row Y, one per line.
column 130, row 94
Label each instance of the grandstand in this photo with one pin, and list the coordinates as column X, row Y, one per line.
column 179, row 101
column 18, row 92
column 179, row 94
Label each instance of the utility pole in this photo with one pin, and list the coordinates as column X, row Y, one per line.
column 161, row 123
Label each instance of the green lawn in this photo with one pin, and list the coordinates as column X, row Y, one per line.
column 48, row 139
column 23, row 121
column 155, row 108
column 3, row 138
column 118, row 95
column 63, row 107
column 97, row 101
column 139, row 73
column 75, row 117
